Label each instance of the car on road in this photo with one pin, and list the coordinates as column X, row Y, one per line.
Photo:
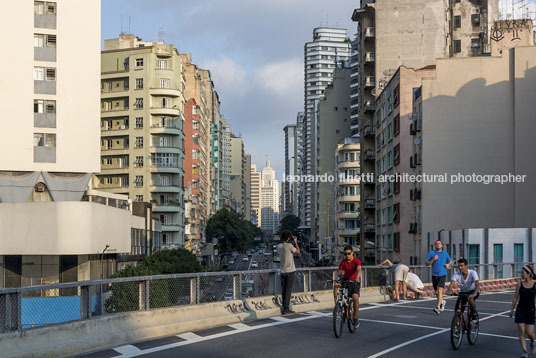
column 245, row 259
column 231, row 262
column 254, row 264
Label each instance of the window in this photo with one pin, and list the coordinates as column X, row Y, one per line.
column 139, row 142
column 50, row 74
column 396, row 187
column 39, row 40
column 109, row 180
column 139, row 103
column 44, row 8
column 498, row 258
column 475, row 43
column 43, row 106
column 195, row 125
column 457, row 21
column 164, row 83
column 475, row 19
column 474, row 255
column 47, row 140
column 51, row 40
column 109, row 161
column 396, row 125
column 139, row 62
column 139, row 197
column 139, row 122
column 161, row 64
column 457, row 46
column 39, row 73
column 396, row 213
column 518, row 257
column 396, row 241
column 396, row 153
column 139, row 83
column 138, row 163
column 396, row 96
column 139, row 180
column 166, row 102
column 195, row 139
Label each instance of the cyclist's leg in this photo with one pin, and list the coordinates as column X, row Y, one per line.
column 355, row 298
column 472, row 303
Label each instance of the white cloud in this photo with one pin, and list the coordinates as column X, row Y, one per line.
column 228, row 76
column 281, row 78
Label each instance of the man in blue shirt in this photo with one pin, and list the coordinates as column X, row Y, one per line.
column 440, row 261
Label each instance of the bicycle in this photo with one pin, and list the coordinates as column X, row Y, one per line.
column 461, row 324
column 343, row 310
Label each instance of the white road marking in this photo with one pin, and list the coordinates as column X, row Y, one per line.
column 189, row 336
column 240, row 327
column 128, row 349
column 379, row 354
column 281, row 319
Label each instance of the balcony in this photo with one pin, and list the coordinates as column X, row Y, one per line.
column 347, row 231
column 170, row 111
column 165, row 188
column 370, row 81
column 170, row 92
column 368, row 132
column 45, row 54
column 45, row 21
column 44, row 154
column 369, row 155
column 348, row 198
column 45, row 120
column 370, row 106
column 370, row 204
column 370, row 228
column 369, row 32
column 166, row 128
column 370, row 57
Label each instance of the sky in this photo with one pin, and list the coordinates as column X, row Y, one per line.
column 253, row 48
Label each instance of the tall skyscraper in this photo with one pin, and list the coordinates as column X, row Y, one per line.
column 256, row 194
column 414, row 34
column 290, row 206
column 269, row 200
column 142, row 128
column 238, row 161
column 329, row 47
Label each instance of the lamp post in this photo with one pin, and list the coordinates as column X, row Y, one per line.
column 100, row 303
column 101, row 258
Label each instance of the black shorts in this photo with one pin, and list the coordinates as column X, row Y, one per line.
column 463, row 297
column 438, row 281
column 353, row 287
column 524, row 315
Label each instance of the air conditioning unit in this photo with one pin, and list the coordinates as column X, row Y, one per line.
column 122, row 127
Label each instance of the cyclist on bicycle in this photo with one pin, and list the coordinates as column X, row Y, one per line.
column 469, row 285
column 350, row 269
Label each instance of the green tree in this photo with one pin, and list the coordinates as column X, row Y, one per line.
column 289, row 222
column 231, row 230
column 163, row 293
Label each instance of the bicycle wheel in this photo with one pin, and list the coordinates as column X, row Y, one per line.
column 338, row 319
column 472, row 333
column 350, row 309
column 456, row 330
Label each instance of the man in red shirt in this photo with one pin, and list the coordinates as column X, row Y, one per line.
column 350, row 269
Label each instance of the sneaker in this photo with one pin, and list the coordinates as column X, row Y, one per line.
column 524, row 355
column 355, row 322
column 533, row 348
column 288, row 311
column 437, row 310
column 443, row 305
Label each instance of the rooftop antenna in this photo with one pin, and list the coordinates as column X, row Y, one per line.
column 161, row 35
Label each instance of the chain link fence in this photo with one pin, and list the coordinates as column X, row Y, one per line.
column 27, row 307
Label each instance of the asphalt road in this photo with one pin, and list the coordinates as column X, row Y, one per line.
column 406, row 329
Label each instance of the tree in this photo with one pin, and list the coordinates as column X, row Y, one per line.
column 289, row 222
column 163, row 293
column 232, row 231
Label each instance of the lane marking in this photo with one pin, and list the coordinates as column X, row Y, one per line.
column 190, row 337
column 281, row 319
column 401, row 324
column 240, row 327
column 379, row 354
column 494, row 301
column 128, row 349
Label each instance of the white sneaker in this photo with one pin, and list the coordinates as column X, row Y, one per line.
column 443, row 304
column 533, row 348
column 524, row 355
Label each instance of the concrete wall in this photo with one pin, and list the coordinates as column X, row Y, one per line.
column 64, row 228
column 77, row 96
column 476, row 119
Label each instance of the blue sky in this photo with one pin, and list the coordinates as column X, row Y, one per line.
column 253, row 48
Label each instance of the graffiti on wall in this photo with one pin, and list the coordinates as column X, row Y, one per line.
column 500, row 28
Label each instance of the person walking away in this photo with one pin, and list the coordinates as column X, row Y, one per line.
column 350, row 270
column 400, row 273
column 286, row 251
column 525, row 311
column 440, row 261
column 415, row 284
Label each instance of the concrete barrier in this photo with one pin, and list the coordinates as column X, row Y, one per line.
column 123, row 328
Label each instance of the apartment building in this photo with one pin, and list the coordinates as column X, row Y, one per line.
column 238, row 171
column 289, row 188
column 347, row 201
column 256, row 195
column 247, row 186
column 49, row 231
column 329, row 47
column 225, row 166
column 142, row 128
column 394, row 158
column 269, row 201
column 412, row 33
column 332, row 126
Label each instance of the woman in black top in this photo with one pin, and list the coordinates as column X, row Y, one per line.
column 525, row 312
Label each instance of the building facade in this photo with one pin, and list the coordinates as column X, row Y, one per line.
column 269, row 201
column 290, row 206
column 238, row 162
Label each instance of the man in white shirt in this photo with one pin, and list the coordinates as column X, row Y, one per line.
column 469, row 285
column 414, row 284
column 286, row 252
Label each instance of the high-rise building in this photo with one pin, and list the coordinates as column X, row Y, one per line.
column 269, row 201
column 298, row 149
column 142, row 123
column 51, row 227
column 329, row 47
column 225, row 166
column 256, row 194
column 332, row 127
column 238, row 161
column 247, row 185
column 290, row 206
column 413, row 34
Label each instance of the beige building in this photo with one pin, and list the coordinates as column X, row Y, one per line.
column 142, row 128
column 347, row 199
column 463, row 134
column 333, row 120
column 412, row 33
column 238, row 170
column 256, row 194
column 394, row 157
column 51, row 229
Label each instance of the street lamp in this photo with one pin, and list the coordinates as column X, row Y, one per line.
column 102, row 257
column 99, row 308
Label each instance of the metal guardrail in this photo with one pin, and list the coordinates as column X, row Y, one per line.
column 22, row 308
